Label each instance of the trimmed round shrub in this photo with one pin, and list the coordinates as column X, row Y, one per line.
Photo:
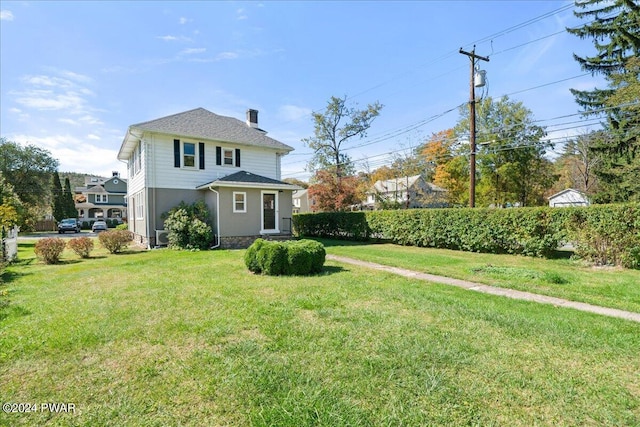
column 272, row 258
column 82, row 246
column 251, row 256
column 285, row 258
column 114, row 240
column 50, row 249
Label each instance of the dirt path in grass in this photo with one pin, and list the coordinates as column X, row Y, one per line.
column 478, row 287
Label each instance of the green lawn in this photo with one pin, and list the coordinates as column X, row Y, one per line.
column 562, row 278
column 163, row 338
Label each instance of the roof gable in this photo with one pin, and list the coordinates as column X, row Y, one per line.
column 203, row 124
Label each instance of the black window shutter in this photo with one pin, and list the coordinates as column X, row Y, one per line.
column 201, row 154
column 218, row 156
column 237, row 157
column 176, row 153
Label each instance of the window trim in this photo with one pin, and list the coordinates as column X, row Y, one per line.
column 277, row 212
column 244, row 202
column 224, row 157
column 194, row 155
column 138, row 202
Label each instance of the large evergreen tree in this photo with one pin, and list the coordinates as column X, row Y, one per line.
column 57, row 204
column 614, row 27
column 68, row 202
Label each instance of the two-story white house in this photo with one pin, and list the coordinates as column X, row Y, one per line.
column 233, row 166
column 405, row 192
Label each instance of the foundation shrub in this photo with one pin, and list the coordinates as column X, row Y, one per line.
column 82, row 246
column 188, row 226
column 49, row 249
column 115, row 240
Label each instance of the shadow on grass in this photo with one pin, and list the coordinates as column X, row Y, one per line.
column 10, row 276
column 331, row 269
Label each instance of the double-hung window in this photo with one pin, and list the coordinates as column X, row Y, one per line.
column 189, row 155
column 228, row 157
column 239, row 202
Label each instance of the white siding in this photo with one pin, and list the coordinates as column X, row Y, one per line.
column 163, row 174
column 568, row 198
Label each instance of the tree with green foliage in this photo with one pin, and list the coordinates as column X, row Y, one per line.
column 614, row 28
column 510, row 154
column 69, row 204
column 28, row 169
column 575, row 166
column 333, row 128
column 57, row 203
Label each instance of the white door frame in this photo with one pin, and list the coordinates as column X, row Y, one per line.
column 277, row 212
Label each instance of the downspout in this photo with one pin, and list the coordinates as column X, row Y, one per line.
column 217, row 245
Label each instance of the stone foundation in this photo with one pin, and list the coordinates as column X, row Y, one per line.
column 237, row 242
column 243, row 242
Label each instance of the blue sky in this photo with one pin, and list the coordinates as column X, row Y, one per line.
column 75, row 75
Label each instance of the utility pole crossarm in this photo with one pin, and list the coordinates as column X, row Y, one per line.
column 473, row 54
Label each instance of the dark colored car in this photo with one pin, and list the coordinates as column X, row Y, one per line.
column 99, row 226
column 68, row 224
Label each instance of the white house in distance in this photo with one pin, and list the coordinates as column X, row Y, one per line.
column 301, row 203
column 231, row 165
column 568, row 197
column 407, row 191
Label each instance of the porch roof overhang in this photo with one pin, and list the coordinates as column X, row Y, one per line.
column 244, row 179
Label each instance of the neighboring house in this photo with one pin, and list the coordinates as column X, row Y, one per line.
column 405, row 192
column 233, row 166
column 569, row 197
column 301, row 201
column 102, row 198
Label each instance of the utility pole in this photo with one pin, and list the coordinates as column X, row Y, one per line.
column 472, row 121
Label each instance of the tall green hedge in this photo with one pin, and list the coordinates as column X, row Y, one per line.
column 604, row 234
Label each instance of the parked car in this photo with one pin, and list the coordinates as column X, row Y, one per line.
column 68, row 224
column 99, row 226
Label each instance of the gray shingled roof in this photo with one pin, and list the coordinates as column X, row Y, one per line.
column 243, row 177
column 203, row 124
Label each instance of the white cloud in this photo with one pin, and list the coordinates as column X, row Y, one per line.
column 93, row 137
column 62, row 91
column 69, row 122
column 15, row 110
column 170, row 38
column 293, row 112
column 241, row 15
column 183, row 20
column 90, row 120
column 81, row 78
column 192, row 51
column 75, row 154
column 47, row 100
column 227, row 55
column 6, row 15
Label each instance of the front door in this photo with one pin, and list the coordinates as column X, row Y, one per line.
column 269, row 212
